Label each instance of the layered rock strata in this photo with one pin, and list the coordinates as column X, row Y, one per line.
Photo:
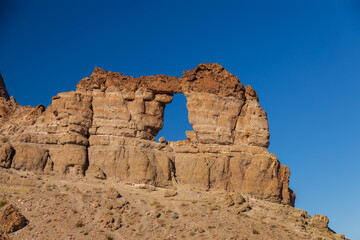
column 107, row 129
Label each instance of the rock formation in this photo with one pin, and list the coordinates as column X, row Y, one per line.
column 107, row 129
column 3, row 91
column 11, row 220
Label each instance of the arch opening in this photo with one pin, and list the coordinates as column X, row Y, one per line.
column 176, row 121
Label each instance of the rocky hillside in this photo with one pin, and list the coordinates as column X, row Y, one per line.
column 105, row 131
column 52, row 206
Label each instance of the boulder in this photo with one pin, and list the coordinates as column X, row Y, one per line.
column 170, row 193
column 228, row 200
column 162, row 140
column 6, row 155
column 245, row 207
column 112, row 193
column 11, row 219
column 238, row 198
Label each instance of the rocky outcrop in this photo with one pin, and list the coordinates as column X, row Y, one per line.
column 14, row 119
column 11, row 220
column 6, row 155
column 3, row 91
column 320, row 221
column 107, row 129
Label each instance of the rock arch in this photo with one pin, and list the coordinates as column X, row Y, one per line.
column 108, row 127
column 176, row 121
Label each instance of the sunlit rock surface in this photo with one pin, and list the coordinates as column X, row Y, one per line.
column 107, row 129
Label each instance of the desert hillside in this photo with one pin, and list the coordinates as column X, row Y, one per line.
column 62, row 207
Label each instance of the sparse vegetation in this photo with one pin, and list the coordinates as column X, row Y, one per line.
column 255, row 231
column 273, row 226
column 79, row 224
column 135, row 213
column 158, row 205
column 161, row 222
column 214, row 207
column 3, row 202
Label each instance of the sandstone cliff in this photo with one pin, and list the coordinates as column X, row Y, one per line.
column 107, row 129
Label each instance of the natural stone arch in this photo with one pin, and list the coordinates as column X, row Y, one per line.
column 176, row 121
column 110, row 123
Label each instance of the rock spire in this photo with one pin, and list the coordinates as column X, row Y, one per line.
column 3, row 91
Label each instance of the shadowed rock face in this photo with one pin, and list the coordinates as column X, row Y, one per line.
column 107, row 128
column 3, row 91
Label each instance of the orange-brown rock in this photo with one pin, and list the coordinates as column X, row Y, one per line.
column 107, row 129
column 11, row 219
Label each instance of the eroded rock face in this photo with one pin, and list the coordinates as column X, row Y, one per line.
column 107, row 128
column 252, row 127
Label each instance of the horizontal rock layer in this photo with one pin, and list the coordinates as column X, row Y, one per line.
column 107, row 129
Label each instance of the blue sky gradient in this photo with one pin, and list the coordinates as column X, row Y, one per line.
column 302, row 58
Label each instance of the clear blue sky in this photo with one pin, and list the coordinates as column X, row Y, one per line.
column 302, row 57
